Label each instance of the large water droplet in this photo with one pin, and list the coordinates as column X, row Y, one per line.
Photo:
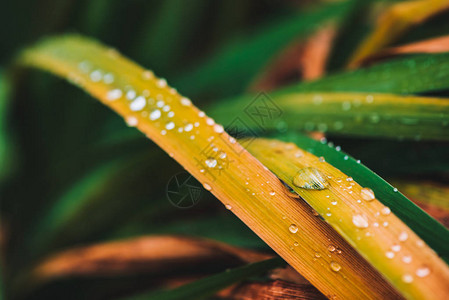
column 360, row 221
column 293, row 228
column 367, row 194
column 335, row 266
column 310, row 178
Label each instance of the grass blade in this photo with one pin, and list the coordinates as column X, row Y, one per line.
column 432, row 232
column 353, row 114
column 191, row 138
column 368, row 225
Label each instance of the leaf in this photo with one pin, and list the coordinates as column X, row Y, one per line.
column 208, row 286
column 6, row 156
column 393, row 22
column 151, row 254
column 433, row 45
column 366, row 223
column 349, row 114
column 86, row 63
column 237, row 64
column 417, row 74
column 428, row 229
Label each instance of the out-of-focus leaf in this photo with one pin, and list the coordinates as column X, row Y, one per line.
column 425, row 191
column 302, row 59
column 154, row 254
column 359, row 114
column 428, row 229
column 237, row 64
column 434, row 45
column 418, row 74
column 6, row 156
column 208, row 286
column 393, row 22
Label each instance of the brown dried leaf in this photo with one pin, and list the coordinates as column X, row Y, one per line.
column 151, row 254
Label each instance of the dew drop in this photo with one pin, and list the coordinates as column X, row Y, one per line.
column 296, row 244
column 386, row 210
column 334, row 202
column 331, row 248
column 170, row 126
column 321, row 159
column 131, row 94
column 218, row 128
column 228, row 206
column 396, row 248
column 395, row 190
column 138, row 104
column 155, row 114
column 211, row 162
column 310, row 178
column 188, row 127
column 185, row 102
column 170, row 114
column 298, row 154
column 131, row 121
column 317, row 255
column 114, row 94
column 222, row 155
column 210, row 121
column 389, row 254
column 272, row 193
column 201, row 114
column 407, row 259
column 422, row 272
column 403, row 236
column 407, row 278
column 166, row 108
column 207, row 186
column 335, row 266
column 162, row 83
column 293, row 228
column 349, row 179
column 360, row 221
column 147, row 75
column 367, row 194
column 96, row 75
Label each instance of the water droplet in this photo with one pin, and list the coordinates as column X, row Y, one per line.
column 321, row 159
column 170, row 126
column 317, row 255
column 108, row 78
column 389, row 254
column 403, row 236
column 155, row 114
column 201, row 114
column 162, row 83
column 407, row 259
column 334, row 202
column 349, row 179
column 166, row 108
column 222, row 155
column 299, row 153
column 335, row 266
column 407, row 278
column 218, row 128
column 293, row 228
column 346, row 157
column 185, row 102
column 207, row 186
column 131, row 121
column 346, row 105
column 147, row 75
column 331, row 248
column 114, row 94
column 310, row 178
column 422, row 272
column 228, row 206
column 296, row 244
column 170, row 114
column 386, row 210
column 395, row 190
column 138, row 104
column 360, row 221
column 210, row 121
column 96, row 75
column 211, row 162
column 163, row 132
column 131, row 94
column 367, row 194
column 396, row 248
column 188, row 127
column 272, row 193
